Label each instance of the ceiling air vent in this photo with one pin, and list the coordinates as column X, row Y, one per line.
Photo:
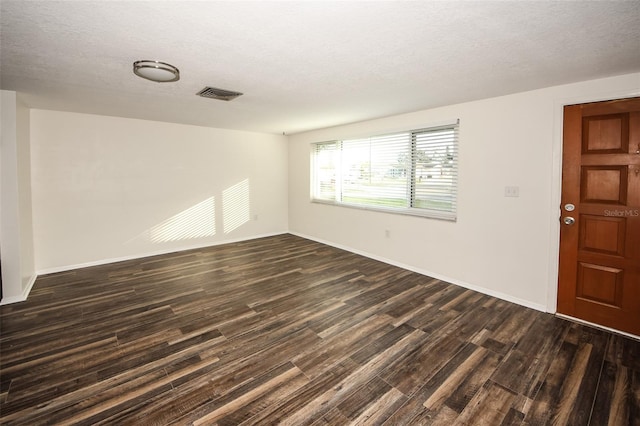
column 215, row 93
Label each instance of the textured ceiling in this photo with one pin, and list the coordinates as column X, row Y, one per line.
column 307, row 64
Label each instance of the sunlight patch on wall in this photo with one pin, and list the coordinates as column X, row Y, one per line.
column 197, row 221
column 235, row 206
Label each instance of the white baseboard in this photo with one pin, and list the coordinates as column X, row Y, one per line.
column 149, row 254
column 480, row 289
column 25, row 293
column 23, row 296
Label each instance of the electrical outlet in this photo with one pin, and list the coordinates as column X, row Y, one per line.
column 255, row 217
column 511, row 191
column 387, row 233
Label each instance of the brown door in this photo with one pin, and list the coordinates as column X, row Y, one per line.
column 599, row 275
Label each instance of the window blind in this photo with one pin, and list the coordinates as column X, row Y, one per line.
column 434, row 184
column 374, row 170
column 326, row 166
column 412, row 172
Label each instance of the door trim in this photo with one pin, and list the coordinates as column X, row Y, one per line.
column 556, row 189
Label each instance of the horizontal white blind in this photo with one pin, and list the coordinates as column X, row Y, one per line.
column 436, row 169
column 326, row 164
column 413, row 172
column 374, row 170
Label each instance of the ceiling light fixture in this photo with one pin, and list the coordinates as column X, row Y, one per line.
column 159, row 72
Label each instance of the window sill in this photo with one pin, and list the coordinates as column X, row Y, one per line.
column 425, row 213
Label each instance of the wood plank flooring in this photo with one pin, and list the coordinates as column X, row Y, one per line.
column 283, row 330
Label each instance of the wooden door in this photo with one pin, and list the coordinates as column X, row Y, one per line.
column 599, row 275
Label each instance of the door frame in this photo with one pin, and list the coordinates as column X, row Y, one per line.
column 556, row 190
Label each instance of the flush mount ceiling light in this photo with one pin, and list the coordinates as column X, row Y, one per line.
column 160, row 72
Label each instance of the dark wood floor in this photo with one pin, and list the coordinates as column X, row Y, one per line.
column 283, row 330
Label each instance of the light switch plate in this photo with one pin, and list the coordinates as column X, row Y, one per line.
column 511, row 191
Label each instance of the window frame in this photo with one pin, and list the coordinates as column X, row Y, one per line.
column 411, row 185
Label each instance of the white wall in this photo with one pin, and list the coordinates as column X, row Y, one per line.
column 16, row 237
column 9, row 226
column 505, row 247
column 109, row 188
column 27, row 255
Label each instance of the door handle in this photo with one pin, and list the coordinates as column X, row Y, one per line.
column 569, row 220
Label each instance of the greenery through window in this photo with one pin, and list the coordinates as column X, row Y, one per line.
column 413, row 172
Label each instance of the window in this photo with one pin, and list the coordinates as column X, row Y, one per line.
column 413, row 172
